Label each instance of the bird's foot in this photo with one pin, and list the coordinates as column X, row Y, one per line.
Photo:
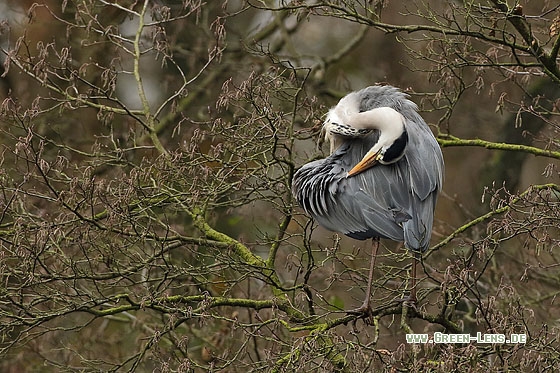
column 409, row 301
column 364, row 312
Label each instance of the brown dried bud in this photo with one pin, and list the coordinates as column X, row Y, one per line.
column 554, row 27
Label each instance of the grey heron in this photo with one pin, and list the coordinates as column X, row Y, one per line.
column 382, row 177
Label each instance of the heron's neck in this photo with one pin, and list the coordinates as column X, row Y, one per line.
column 388, row 121
column 392, row 135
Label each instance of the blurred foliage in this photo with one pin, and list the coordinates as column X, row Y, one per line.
column 146, row 215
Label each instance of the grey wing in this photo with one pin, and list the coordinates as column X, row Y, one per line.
column 423, row 163
column 398, row 200
column 362, row 206
column 379, row 202
column 425, row 166
column 424, row 157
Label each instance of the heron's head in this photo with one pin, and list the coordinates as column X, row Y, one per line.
column 393, row 138
column 387, row 153
column 350, row 118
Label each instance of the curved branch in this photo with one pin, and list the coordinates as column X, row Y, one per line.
column 448, row 140
column 489, row 215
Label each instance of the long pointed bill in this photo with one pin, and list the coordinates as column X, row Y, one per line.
column 369, row 160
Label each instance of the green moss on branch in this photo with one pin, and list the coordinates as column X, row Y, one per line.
column 450, row 141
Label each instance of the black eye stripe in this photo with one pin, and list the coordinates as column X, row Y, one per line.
column 396, row 150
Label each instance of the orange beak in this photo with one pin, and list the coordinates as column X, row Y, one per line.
column 369, row 160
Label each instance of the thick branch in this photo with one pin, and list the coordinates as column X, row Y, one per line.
column 518, row 21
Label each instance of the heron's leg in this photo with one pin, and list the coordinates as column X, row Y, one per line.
column 413, row 280
column 416, row 256
column 374, row 248
column 365, row 308
column 411, row 299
